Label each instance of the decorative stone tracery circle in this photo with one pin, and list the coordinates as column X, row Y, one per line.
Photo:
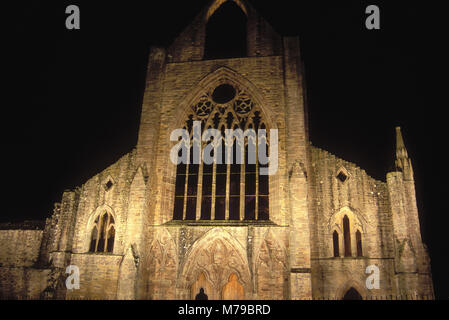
column 204, row 107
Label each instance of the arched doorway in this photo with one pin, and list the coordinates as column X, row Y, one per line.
column 233, row 290
column 202, row 288
column 352, row 294
column 211, row 261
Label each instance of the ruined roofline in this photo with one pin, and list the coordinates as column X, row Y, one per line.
column 23, row 225
column 346, row 164
column 132, row 153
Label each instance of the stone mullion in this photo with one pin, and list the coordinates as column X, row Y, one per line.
column 256, row 213
column 105, row 249
column 99, row 230
column 242, row 186
column 341, row 244
column 184, row 206
column 352, row 232
column 228, row 183
column 98, row 236
column 214, row 174
column 199, row 189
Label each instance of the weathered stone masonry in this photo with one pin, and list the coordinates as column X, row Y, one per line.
column 328, row 219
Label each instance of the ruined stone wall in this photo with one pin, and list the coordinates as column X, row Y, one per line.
column 95, row 199
column 262, row 38
column 289, row 257
column 412, row 262
column 272, row 76
column 22, row 283
column 98, row 276
column 19, row 248
column 124, row 200
column 365, row 201
column 19, row 251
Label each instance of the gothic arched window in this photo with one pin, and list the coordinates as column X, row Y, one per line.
column 103, row 234
column 336, row 244
column 352, row 294
column 226, row 33
column 232, row 186
column 347, row 236
column 358, row 238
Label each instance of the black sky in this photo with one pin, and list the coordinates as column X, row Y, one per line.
column 76, row 95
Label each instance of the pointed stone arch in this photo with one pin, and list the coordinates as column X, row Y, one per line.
column 126, row 287
column 233, row 290
column 271, row 268
column 217, row 254
column 222, row 39
column 218, row 3
column 135, row 221
column 406, row 256
column 359, row 220
column 222, row 75
column 357, row 223
column 348, row 285
column 104, row 208
column 163, row 265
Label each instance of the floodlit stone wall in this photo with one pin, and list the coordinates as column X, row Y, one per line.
column 291, row 256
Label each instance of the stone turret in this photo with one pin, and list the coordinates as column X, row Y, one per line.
column 412, row 263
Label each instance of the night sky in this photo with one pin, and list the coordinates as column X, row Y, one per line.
column 76, row 95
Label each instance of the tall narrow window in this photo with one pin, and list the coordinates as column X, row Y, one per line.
column 336, row 244
column 220, row 183
column 192, row 186
column 103, row 234
column 263, row 203
column 226, row 33
column 250, row 187
column 234, row 192
column 181, row 171
column 232, row 188
column 358, row 237
column 206, row 200
column 347, row 236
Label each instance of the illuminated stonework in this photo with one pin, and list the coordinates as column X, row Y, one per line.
column 309, row 231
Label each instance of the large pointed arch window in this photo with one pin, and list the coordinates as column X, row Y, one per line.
column 226, row 33
column 103, row 234
column 232, row 187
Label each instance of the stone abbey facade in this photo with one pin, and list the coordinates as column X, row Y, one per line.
column 145, row 228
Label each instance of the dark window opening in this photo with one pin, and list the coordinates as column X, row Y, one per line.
column 224, row 191
column 347, row 236
column 358, row 237
column 108, row 185
column 223, row 93
column 226, row 33
column 103, row 234
column 336, row 244
column 342, row 177
column 352, row 294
